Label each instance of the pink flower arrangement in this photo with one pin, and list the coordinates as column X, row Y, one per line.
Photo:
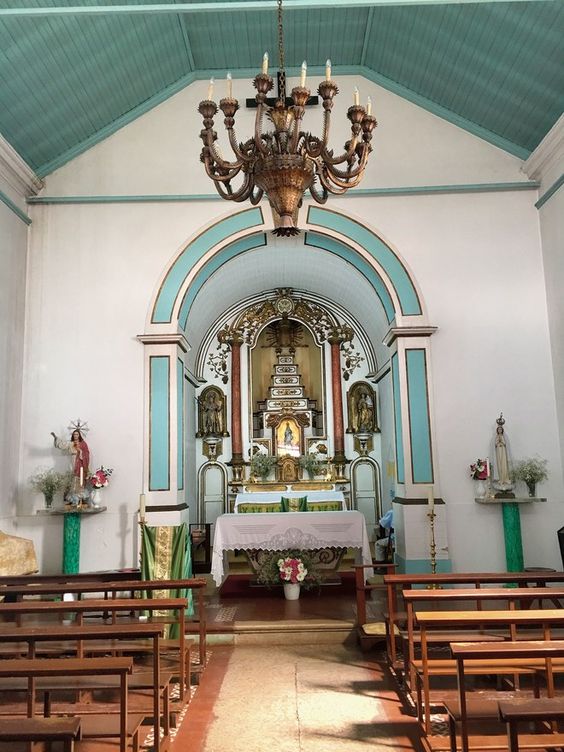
column 480, row 470
column 292, row 570
column 101, row 477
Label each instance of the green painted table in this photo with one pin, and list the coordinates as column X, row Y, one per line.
column 71, row 534
column 511, row 529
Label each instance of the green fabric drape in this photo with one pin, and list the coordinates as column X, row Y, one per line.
column 173, row 561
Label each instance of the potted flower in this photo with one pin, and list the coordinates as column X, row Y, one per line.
column 262, row 464
column 99, row 479
column 531, row 471
column 48, row 482
column 292, row 568
column 311, row 464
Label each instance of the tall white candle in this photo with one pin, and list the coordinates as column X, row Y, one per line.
column 356, row 96
column 328, row 70
column 229, row 85
column 487, row 467
column 81, row 477
column 265, row 63
column 369, row 106
column 210, row 88
column 304, row 71
column 142, row 506
column 431, row 500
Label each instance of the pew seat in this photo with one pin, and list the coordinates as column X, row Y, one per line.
column 66, row 730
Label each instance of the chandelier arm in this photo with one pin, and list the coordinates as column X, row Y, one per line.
column 222, row 163
column 330, row 187
column 333, row 181
column 319, row 196
column 235, row 146
column 219, row 178
column 241, row 195
column 326, row 127
column 255, row 198
column 258, row 130
column 328, row 159
column 351, row 173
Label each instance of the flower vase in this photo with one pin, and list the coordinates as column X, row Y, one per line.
column 480, row 487
column 96, row 498
column 291, row 591
column 48, row 500
column 532, row 487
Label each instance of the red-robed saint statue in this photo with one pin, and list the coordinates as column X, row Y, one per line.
column 80, row 455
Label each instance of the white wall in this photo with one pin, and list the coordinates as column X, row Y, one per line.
column 13, row 255
column 475, row 257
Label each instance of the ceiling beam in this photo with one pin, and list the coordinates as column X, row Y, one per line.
column 231, row 7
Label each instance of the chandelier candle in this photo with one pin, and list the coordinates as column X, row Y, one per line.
column 229, row 86
column 285, row 161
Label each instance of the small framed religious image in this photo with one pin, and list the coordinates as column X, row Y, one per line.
column 288, row 438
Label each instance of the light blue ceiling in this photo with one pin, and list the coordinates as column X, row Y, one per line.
column 67, row 80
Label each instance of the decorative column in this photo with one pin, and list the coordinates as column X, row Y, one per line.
column 337, row 336
column 163, row 456
column 418, row 485
column 235, row 340
column 512, row 536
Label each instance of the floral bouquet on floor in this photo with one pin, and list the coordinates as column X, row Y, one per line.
column 279, row 567
column 479, row 470
column 101, row 478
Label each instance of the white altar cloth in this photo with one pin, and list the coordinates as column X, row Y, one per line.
column 276, row 531
column 273, row 497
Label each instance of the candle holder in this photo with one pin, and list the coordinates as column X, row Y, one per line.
column 433, row 550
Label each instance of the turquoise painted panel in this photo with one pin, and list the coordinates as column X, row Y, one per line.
column 348, row 254
column 226, row 254
column 400, row 460
column 421, row 566
column 217, row 233
column 159, row 424
column 391, row 264
column 180, row 422
column 419, row 426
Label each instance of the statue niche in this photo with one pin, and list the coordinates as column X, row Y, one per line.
column 361, row 401
column 212, row 413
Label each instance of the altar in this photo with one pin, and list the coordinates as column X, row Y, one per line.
column 272, row 497
column 277, row 531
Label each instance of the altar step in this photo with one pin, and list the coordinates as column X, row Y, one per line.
column 296, row 631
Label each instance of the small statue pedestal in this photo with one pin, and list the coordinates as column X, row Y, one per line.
column 71, row 533
column 511, row 528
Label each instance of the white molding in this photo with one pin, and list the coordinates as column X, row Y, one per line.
column 16, row 172
column 548, row 154
column 407, row 331
column 165, row 339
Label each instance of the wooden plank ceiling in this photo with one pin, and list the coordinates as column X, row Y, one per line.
column 65, row 80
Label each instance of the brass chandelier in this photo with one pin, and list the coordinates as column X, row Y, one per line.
column 285, row 162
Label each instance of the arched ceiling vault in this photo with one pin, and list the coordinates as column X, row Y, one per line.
column 319, row 275
column 71, row 74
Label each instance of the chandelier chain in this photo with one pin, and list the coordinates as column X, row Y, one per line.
column 281, row 62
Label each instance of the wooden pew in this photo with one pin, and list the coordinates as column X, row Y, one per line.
column 85, row 587
column 112, row 606
column 542, row 709
column 542, row 656
column 407, row 581
column 33, row 668
column 110, row 575
column 65, row 730
column 513, row 597
column 546, row 619
column 74, row 636
column 369, row 632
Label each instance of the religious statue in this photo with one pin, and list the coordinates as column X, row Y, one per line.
column 79, row 455
column 501, row 457
column 362, row 416
column 211, row 413
column 288, row 435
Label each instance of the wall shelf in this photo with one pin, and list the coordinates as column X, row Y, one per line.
column 523, row 500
